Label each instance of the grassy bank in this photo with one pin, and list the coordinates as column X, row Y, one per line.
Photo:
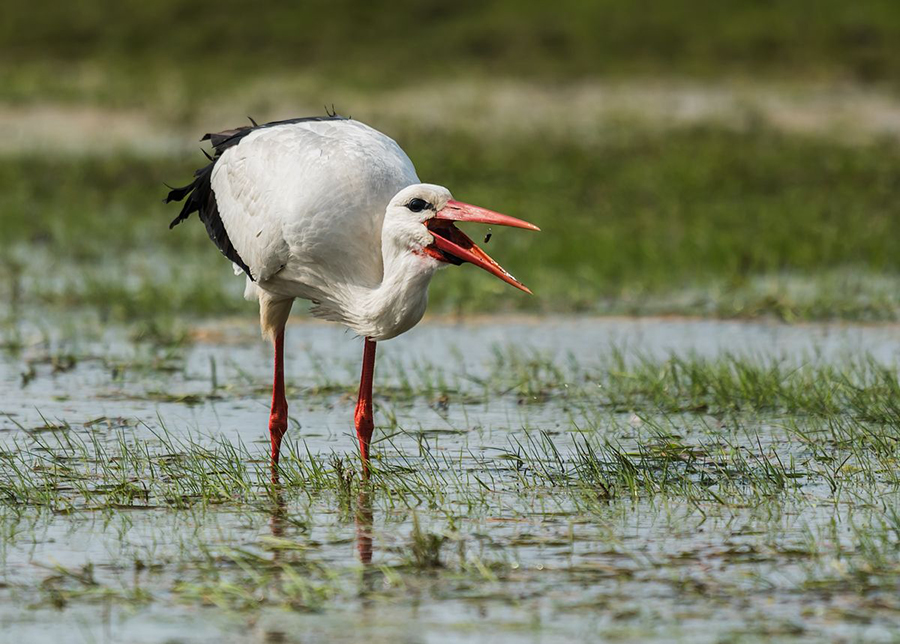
column 693, row 220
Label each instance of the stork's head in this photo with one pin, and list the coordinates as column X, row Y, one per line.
column 420, row 219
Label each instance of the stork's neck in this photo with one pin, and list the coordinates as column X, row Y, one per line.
column 398, row 302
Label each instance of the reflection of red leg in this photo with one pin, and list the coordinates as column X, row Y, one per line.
column 365, row 421
column 364, row 527
column 279, row 416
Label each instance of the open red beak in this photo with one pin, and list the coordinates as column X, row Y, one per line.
column 454, row 246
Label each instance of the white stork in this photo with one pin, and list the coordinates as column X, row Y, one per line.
column 330, row 210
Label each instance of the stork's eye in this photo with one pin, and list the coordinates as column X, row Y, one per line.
column 418, row 205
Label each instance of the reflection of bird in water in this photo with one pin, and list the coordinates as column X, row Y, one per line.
column 364, row 519
column 278, row 519
column 329, row 210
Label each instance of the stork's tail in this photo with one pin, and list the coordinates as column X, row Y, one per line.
column 196, row 195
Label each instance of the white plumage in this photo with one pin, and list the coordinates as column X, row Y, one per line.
column 304, row 204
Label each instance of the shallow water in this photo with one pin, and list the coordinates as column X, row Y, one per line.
column 518, row 562
column 320, row 354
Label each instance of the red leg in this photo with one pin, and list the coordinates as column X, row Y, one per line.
column 365, row 420
column 279, row 416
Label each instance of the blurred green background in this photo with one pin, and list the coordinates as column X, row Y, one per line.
column 713, row 158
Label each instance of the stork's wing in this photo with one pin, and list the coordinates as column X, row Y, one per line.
column 306, row 192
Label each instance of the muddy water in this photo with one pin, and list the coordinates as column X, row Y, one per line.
column 637, row 570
